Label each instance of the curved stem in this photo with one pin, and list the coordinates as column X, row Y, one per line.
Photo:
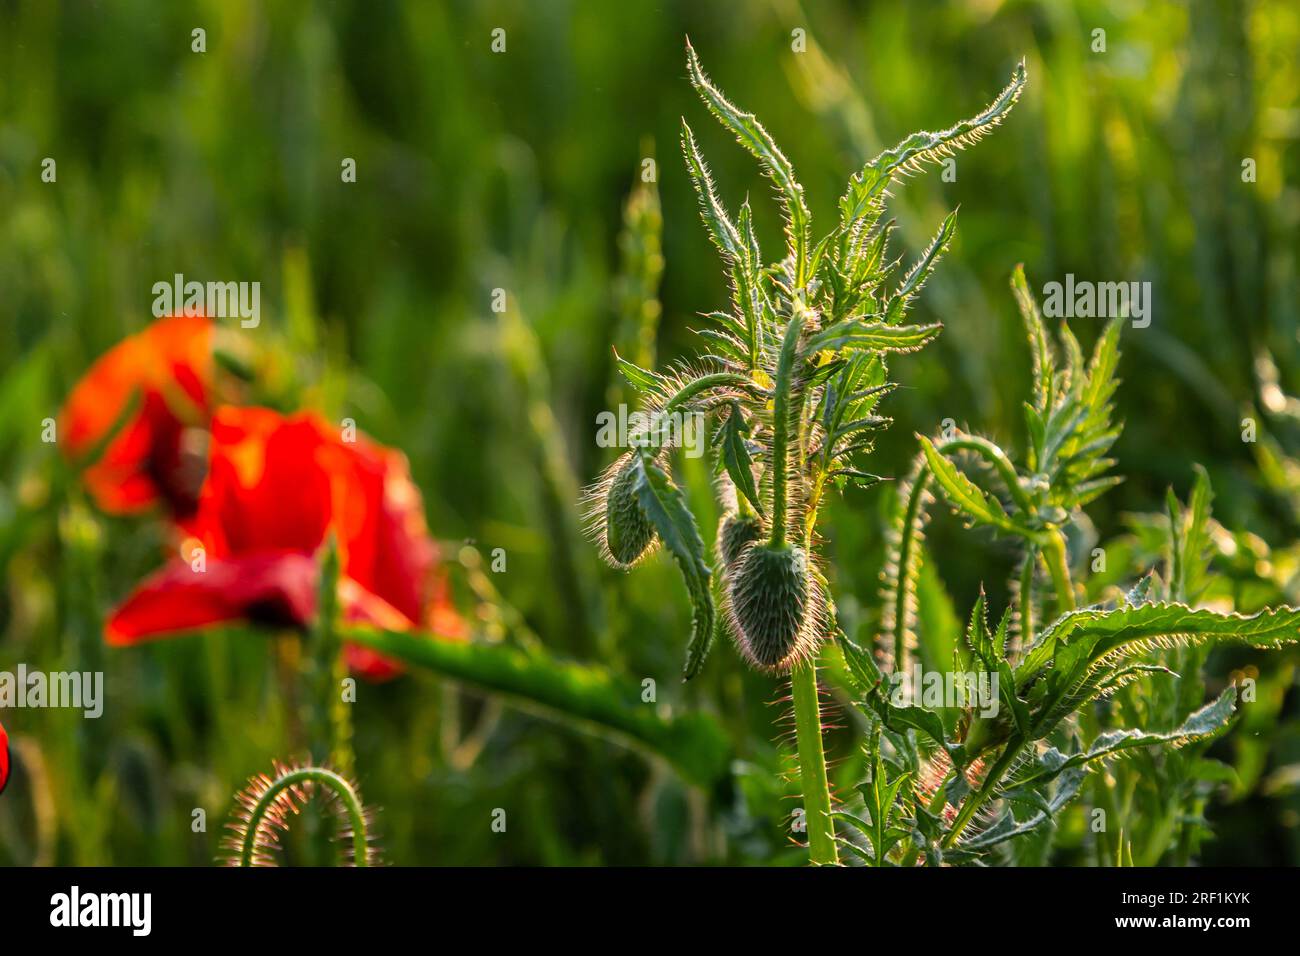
column 999, row 460
column 317, row 775
column 812, row 765
column 703, row 384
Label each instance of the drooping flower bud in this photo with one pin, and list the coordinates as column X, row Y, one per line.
column 628, row 532
column 771, row 599
column 734, row 533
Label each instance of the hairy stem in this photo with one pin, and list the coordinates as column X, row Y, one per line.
column 781, row 426
column 308, row 775
column 907, row 542
column 974, row 801
column 998, row 459
column 1027, row 596
column 812, row 765
column 329, row 719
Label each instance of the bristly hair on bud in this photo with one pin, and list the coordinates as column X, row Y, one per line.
column 265, row 807
column 736, row 532
column 614, row 517
column 774, row 606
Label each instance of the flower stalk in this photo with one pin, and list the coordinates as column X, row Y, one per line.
column 812, row 764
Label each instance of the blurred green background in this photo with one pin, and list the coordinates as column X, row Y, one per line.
column 479, row 171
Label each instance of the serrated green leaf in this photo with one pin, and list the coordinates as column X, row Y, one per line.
column 665, row 507
column 922, row 270
column 867, row 187
column 736, row 458
column 717, row 223
column 639, row 378
column 964, row 495
column 1074, row 660
column 855, row 334
column 1006, row 827
column 1040, row 347
column 1206, row 722
column 586, row 696
column 876, row 698
column 751, row 134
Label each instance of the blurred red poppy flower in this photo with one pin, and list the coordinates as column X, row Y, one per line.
column 156, row 453
column 4, row 758
column 276, row 486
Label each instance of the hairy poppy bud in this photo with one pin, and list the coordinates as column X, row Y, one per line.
column 771, row 604
column 628, row 532
column 736, row 531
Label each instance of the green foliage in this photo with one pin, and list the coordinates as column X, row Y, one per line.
column 1022, row 762
column 585, row 696
column 796, row 371
column 798, row 365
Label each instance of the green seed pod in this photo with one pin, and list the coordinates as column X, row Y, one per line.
column 628, row 532
column 736, row 531
column 771, row 602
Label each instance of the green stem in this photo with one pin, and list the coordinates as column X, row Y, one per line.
column 907, row 542
column 1109, row 845
column 1059, row 568
column 781, row 425
column 998, row 458
column 589, row 696
column 974, row 801
column 812, row 765
column 320, row 776
column 329, row 718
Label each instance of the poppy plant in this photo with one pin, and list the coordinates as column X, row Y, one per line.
column 142, row 406
column 276, row 488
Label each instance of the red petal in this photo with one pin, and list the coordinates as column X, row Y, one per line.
column 390, row 553
column 4, row 758
column 169, row 367
column 268, row 588
column 276, row 589
column 276, row 486
column 267, row 488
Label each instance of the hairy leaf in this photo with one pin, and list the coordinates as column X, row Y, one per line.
column 756, row 139
column 856, row 334
column 665, row 507
column 1206, row 722
column 868, row 186
column 965, row 496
